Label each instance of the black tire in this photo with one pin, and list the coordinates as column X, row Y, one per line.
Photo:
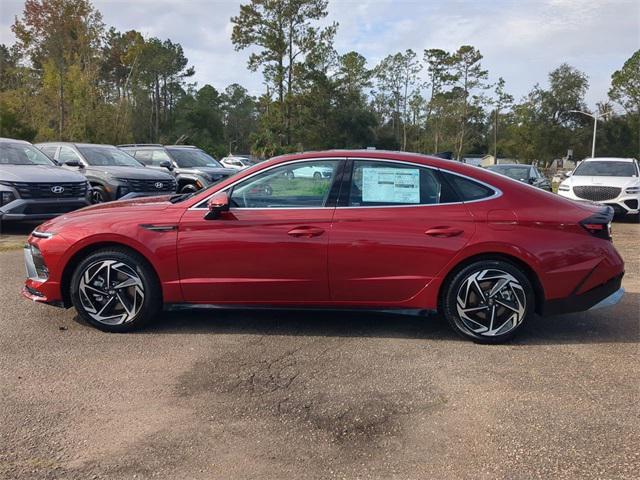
column 317, row 175
column 99, row 194
column 188, row 188
column 124, row 261
column 469, row 312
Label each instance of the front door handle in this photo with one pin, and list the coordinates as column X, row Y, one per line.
column 444, row 232
column 305, row 232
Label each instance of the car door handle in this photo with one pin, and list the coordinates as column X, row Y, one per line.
column 444, row 232
column 306, row 232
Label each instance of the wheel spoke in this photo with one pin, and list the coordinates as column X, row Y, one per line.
column 114, row 304
column 497, row 308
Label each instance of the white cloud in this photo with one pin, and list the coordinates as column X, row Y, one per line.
column 521, row 40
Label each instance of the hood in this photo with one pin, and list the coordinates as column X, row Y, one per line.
column 139, row 205
column 136, row 173
column 595, row 181
column 211, row 171
column 38, row 173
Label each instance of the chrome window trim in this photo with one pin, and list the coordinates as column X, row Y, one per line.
column 497, row 192
column 198, row 206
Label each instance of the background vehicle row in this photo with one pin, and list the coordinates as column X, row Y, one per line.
column 112, row 173
column 193, row 168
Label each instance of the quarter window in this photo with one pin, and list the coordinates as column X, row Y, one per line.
column 301, row 184
column 375, row 183
column 468, row 189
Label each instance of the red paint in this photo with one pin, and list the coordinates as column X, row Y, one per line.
column 365, row 257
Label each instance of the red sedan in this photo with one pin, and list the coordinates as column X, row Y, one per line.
column 379, row 230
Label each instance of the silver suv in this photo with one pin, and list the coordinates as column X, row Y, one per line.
column 32, row 187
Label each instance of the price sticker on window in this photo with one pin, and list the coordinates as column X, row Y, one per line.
column 390, row 185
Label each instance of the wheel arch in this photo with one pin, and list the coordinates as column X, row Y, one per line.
column 82, row 253
column 531, row 274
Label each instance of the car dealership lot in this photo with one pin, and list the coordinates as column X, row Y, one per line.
column 290, row 394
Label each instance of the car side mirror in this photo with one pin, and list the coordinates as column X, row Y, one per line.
column 532, row 180
column 166, row 164
column 73, row 163
column 217, row 204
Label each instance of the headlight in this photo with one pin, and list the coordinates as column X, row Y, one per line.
column 633, row 189
column 6, row 197
column 36, row 267
column 564, row 188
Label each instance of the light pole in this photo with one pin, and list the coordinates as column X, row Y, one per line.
column 595, row 117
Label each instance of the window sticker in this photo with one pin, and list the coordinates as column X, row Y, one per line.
column 390, row 185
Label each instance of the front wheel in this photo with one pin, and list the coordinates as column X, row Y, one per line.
column 488, row 301
column 115, row 290
column 99, row 195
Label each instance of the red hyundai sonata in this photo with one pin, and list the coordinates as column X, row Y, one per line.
column 368, row 230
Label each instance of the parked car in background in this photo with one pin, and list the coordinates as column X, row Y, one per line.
column 236, row 162
column 112, row 173
column 610, row 181
column 385, row 230
column 523, row 173
column 33, row 187
column 193, row 168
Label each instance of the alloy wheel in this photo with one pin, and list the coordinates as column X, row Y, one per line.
column 97, row 197
column 111, row 292
column 491, row 302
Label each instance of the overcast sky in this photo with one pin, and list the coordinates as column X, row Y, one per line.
column 520, row 40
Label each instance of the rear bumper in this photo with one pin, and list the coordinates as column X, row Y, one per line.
column 604, row 295
column 40, row 209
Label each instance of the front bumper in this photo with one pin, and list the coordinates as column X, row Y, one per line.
column 40, row 209
column 604, row 295
column 624, row 204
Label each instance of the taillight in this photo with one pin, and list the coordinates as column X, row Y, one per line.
column 599, row 224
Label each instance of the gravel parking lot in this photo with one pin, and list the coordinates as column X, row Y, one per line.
column 289, row 394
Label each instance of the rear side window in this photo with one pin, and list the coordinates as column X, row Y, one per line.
column 469, row 190
column 379, row 183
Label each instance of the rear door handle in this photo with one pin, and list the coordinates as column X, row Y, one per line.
column 444, row 232
column 305, row 232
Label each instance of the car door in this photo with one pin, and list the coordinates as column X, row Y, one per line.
column 270, row 247
column 395, row 228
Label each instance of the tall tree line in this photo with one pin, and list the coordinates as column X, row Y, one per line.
column 70, row 77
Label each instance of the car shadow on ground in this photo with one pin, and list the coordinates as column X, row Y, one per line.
column 619, row 324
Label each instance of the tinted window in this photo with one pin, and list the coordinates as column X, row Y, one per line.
column 68, row 155
column 515, row 172
column 606, row 169
column 107, row 157
column 49, row 151
column 302, row 184
column 22, row 154
column 152, row 157
column 377, row 183
column 192, row 157
column 468, row 189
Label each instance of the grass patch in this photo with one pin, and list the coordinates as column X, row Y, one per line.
column 11, row 245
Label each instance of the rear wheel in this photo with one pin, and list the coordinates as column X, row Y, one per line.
column 488, row 301
column 115, row 290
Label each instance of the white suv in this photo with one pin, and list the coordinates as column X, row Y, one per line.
column 610, row 181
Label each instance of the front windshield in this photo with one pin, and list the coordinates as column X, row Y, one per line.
column 22, row 154
column 517, row 173
column 108, row 157
column 606, row 169
column 192, row 157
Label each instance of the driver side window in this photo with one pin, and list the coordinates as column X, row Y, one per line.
column 295, row 185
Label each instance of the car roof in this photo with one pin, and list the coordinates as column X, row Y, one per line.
column 13, row 140
column 76, row 144
column 608, row 159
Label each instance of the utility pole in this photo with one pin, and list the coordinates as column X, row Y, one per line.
column 595, row 117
